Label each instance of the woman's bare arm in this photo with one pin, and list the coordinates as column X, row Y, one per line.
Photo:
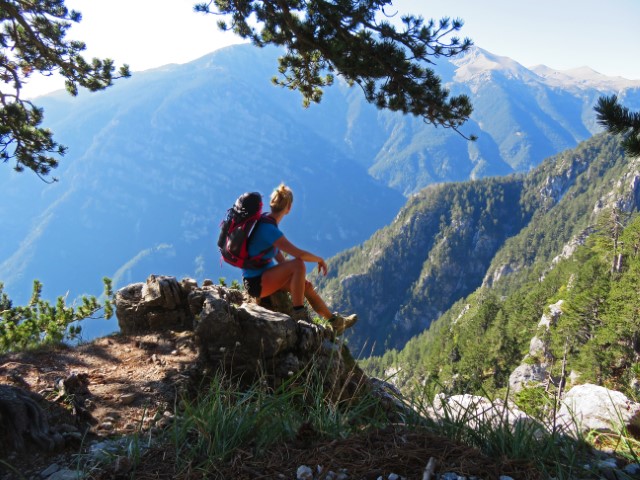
column 286, row 246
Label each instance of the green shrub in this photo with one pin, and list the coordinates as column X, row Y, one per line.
column 40, row 323
column 535, row 402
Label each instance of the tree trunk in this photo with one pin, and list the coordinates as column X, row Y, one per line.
column 21, row 418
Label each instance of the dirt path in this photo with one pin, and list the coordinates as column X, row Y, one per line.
column 126, row 384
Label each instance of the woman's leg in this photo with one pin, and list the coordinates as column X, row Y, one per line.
column 288, row 275
column 316, row 301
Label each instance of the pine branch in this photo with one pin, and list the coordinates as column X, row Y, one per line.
column 33, row 39
column 619, row 120
column 323, row 38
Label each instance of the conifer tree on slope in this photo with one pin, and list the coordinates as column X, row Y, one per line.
column 32, row 39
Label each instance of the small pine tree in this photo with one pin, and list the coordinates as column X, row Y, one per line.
column 39, row 322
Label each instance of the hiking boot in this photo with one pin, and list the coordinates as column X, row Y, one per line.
column 341, row 323
column 301, row 314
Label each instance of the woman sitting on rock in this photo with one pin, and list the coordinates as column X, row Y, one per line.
column 287, row 274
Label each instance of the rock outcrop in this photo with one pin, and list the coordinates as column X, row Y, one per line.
column 237, row 336
column 156, row 305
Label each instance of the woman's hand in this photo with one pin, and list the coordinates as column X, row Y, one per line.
column 322, row 267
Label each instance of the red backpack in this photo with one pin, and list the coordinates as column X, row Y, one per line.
column 236, row 230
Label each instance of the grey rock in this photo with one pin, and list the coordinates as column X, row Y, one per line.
column 309, row 335
column 74, row 384
column 105, row 450
column 108, row 426
column 288, row 366
column 527, row 374
column 477, row 411
column 537, row 347
column 391, row 399
column 591, row 407
column 304, row 473
column 452, row 476
column 156, row 305
column 162, row 291
column 127, row 398
column 550, row 319
column 534, row 373
column 188, row 284
column 270, row 333
column 607, row 463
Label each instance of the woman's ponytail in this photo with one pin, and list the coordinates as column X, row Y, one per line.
column 281, row 198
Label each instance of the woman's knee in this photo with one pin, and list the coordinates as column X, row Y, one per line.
column 299, row 265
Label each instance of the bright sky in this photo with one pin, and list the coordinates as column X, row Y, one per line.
column 561, row 34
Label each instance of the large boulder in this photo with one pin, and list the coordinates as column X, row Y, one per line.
column 591, row 407
column 251, row 342
column 476, row 411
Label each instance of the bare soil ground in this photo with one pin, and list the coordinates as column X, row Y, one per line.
column 132, row 383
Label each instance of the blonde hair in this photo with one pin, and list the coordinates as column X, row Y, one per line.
column 281, row 198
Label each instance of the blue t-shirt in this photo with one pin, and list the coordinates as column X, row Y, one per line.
column 263, row 237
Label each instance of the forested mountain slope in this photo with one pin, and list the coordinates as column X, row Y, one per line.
column 450, row 238
column 436, row 250
column 580, row 323
column 561, row 296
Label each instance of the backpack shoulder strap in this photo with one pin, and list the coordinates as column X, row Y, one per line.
column 267, row 218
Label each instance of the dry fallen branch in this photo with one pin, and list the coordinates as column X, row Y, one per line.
column 429, row 469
